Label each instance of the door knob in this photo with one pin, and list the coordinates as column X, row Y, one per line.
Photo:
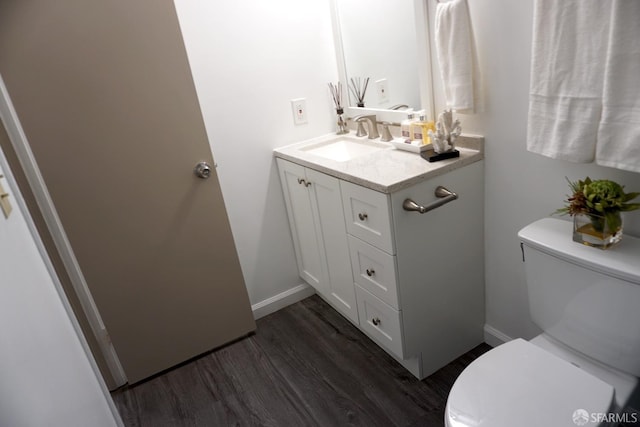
column 202, row 170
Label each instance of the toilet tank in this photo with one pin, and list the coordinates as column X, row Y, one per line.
column 586, row 298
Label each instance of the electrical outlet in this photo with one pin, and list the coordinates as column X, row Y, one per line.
column 299, row 107
column 383, row 91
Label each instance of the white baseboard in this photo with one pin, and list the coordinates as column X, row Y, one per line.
column 280, row 301
column 494, row 337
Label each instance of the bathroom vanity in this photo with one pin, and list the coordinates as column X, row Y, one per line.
column 413, row 282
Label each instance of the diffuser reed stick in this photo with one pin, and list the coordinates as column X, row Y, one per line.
column 359, row 89
column 336, row 94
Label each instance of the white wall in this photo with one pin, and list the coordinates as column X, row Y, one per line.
column 520, row 186
column 249, row 59
column 46, row 376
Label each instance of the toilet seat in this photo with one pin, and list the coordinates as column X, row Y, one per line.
column 520, row 384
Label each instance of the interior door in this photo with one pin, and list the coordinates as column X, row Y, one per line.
column 105, row 95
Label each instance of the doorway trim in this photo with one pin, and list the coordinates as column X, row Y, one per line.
column 28, row 163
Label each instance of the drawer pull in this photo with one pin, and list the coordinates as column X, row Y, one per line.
column 302, row 181
column 375, row 321
column 362, row 216
column 370, row 272
column 442, row 193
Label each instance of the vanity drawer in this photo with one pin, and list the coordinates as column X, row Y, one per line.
column 368, row 215
column 374, row 270
column 380, row 321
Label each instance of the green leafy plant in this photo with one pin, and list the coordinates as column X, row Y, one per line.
column 602, row 200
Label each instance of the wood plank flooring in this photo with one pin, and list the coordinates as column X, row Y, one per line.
column 305, row 366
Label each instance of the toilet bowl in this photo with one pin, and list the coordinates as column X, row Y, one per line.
column 584, row 366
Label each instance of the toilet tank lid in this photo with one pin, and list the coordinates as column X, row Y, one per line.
column 520, row 384
column 554, row 237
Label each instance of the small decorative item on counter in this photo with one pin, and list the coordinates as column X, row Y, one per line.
column 336, row 94
column 359, row 89
column 443, row 139
column 596, row 208
column 416, row 130
column 420, row 130
column 405, row 126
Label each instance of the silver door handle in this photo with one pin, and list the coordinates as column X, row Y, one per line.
column 442, row 193
column 202, row 170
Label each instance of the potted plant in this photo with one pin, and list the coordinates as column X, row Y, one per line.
column 595, row 206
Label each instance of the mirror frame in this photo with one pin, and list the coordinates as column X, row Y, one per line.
column 424, row 60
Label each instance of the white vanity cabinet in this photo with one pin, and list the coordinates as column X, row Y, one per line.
column 314, row 208
column 415, row 281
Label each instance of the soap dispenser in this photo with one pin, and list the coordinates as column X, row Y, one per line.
column 420, row 130
column 406, row 126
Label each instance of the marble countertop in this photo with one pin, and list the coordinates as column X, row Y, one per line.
column 387, row 170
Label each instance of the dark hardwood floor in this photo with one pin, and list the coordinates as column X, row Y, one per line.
column 305, row 366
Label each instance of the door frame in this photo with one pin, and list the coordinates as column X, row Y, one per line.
column 36, row 182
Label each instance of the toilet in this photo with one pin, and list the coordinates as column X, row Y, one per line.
column 585, row 365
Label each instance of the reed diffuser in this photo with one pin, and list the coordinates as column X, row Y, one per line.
column 336, row 94
column 359, row 89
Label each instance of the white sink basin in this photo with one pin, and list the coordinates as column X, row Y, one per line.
column 343, row 148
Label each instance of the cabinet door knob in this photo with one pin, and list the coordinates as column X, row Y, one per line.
column 370, row 272
column 375, row 321
column 362, row 216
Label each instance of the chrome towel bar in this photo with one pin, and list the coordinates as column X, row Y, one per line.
column 442, row 193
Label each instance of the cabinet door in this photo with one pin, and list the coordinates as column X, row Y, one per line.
column 327, row 201
column 300, row 210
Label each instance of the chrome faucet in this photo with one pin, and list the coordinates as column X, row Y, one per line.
column 372, row 125
column 398, row 107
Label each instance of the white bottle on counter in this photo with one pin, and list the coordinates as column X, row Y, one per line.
column 406, row 126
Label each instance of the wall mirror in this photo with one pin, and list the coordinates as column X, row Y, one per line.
column 387, row 41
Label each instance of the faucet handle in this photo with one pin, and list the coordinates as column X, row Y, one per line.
column 386, row 133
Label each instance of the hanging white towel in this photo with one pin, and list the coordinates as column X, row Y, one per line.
column 568, row 60
column 619, row 134
column 455, row 48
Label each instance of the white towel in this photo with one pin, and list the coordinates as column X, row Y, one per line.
column 619, row 134
column 568, row 60
column 455, row 48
